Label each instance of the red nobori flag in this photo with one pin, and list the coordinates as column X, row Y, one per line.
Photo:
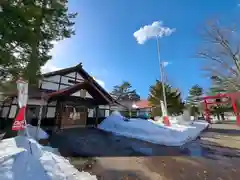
column 19, row 122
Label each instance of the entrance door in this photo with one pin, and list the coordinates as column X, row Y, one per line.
column 80, row 115
column 74, row 116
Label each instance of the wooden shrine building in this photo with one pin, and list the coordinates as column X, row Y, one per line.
column 69, row 98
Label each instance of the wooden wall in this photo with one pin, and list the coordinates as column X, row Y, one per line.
column 73, row 117
column 58, row 82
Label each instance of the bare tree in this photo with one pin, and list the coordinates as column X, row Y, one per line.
column 222, row 57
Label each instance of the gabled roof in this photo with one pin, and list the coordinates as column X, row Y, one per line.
column 142, row 104
column 93, row 91
column 64, row 71
column 97, row 91
column 88, row 79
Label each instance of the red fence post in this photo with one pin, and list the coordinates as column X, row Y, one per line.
column 232, row 96
column 206, row 111
column 235, row 110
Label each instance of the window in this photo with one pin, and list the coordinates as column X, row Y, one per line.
column 5, row 111
column 107, row 112
column 101, row 113
column 13, row 111
column 51, row 112
column 69, row 110
column 81, row 109
column 33, row 111
column 91, row 113
column 1, row 106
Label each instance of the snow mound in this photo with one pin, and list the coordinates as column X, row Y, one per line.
column 32, row 130
column 182, row 120
column 22, row 158
column 151, row 131
column 116, row 113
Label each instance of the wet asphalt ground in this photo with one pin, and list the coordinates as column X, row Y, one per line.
column 216, row 155
column 92, row 142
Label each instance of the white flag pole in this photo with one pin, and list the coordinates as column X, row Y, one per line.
column 39, row 116
column 25, row 100
column 22, row 88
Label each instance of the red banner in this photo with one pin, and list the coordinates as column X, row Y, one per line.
column 19, row 122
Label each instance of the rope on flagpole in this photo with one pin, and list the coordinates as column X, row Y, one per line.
column 25, row 121
column 25, row 94
column 39, row 117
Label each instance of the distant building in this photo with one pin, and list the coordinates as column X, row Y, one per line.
column 133, row 108
column 142, row 106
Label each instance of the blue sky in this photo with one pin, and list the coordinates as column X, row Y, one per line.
column 105, row 44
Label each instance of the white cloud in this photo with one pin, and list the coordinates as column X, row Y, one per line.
column 56, row 51
column 156, row 29
column 100, row 82
column 49, row 67
column 166, row 63
column 57, row 48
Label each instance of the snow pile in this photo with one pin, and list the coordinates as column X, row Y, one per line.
column 179, row 120
column 158, row 118
column 116, row 113
column 184, row 119
column 175, row 135
column 24, row 159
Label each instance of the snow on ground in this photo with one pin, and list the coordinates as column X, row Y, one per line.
column 22, row 158
column 32, row 131
column 148, row 130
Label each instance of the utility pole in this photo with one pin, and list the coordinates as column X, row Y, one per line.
column 162, row 76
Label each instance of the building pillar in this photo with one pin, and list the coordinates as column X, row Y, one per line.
column 2, row 120
column 58, row 117
column 130, row 113
column 96, row 114
column 10, row 106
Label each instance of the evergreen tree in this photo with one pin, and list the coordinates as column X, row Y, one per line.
column 193, row 99
column 125, row 92
column 28, row 30
column 175, row 105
